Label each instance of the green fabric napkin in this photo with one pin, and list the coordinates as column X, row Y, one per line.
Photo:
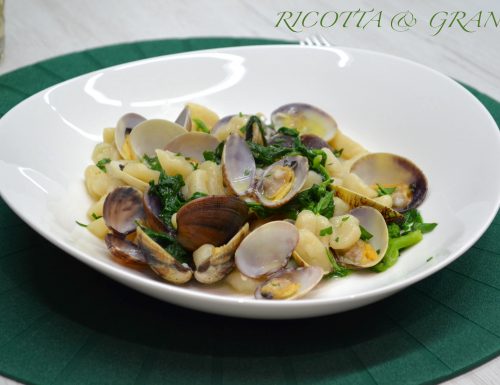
column 63, row 323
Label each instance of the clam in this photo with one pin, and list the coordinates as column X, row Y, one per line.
column 184, row 119
column 353, row 199
column 238, row 165
column 393, row 171
column 266, row 249
column 153, row 134
column 123, row 129
column 213, row 220
column 282, row 180
column 192, row 145
column 306, row 119
column 228, row 125
column 214, row 263
column 161, row 262
column 367, row 253
column 290, row 283
column 152, row 209
column 122, row 208
column 124, row 251
column 313, row 142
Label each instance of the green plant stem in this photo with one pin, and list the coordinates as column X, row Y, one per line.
column 395, row 245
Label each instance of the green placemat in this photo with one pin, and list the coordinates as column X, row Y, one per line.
column 63, row 323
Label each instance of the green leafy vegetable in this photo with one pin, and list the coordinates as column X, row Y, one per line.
column 81, row 224
column 365, row 234
column 429, row 259
column 216, row 155
column 394, row 230
column 168, row 189
column 325, row 231
column 385, row 190
column 288, row 131
column 102, row 164
column 197, row 195
column 152, row 162
column 338, row 153
column 201, row 126
column 425, row 227
column 95, row 217
column 248, row 129
column 338, row 271
column 317, row 199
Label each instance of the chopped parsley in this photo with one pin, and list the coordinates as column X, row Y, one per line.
column 197, row 195
column 365, row 234
column 152, row 162
column 216, row 155
column 81, row 224
column 201, row 126
column 428, row 259
column 325, row 231
column 95, row 217
column 338, row 153
column 345, row 218
column 168, row 189
column 102, row 164
column 169, row 243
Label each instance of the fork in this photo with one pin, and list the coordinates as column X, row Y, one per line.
column 315, row 41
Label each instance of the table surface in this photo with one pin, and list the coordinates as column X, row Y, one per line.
column 37, row 30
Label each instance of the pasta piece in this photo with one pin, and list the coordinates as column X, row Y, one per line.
column 174, row 164
column 333, row 165
column 234, row 125
column 173, row 220
column 341, row 207
column 345, row 232
column 315, row 223
column 242, row 283
column 207, row 116
column 195, row 182
column 349, row 147
column 103, row 151
column 98, row 228
column 353, row 182
column 312, row 251
column 142, row 172
column 115, row 170
column 95, row 210
column 215, row 184
column 108, row 135
column 98, row 183
column 311, row 179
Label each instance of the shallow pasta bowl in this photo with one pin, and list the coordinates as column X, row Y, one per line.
column 386, row 103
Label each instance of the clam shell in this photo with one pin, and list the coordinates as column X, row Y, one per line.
column 213, row 219
column 124, row 127
column 306, row 118
column 122, row 208
column 152, row 209
column 354, row 199
column 124, row 251
column 300, row 167
column 266, row 249
column 192, row 145
column 307, row 278
column 238, row 165
column 161, row 262
column 390, row 170
column 184, row 119
column 153, row 134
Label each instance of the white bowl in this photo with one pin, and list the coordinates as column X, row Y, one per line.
column 384, row 102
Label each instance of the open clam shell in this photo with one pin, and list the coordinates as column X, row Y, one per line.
column 367, row 253
column 390, row 170
column 217, row 261
column 153, row 134
column 192, row 145
column 161, row 262
column 306, row 119
column 213, row 220
column 184, row 119
column 123, row 128
column 125, row 251
column 282, row 180
column 266, row 249
column 238, row 165
column 289, row 284
column 122, row 208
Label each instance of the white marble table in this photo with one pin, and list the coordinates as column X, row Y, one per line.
column 37, row 30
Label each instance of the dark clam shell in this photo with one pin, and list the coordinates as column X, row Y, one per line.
column 124, row 251
column 152, row 209
column 122, row 208
column 313, row 142
column 213, row 219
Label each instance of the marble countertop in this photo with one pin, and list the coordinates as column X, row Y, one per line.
column 465, row 50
